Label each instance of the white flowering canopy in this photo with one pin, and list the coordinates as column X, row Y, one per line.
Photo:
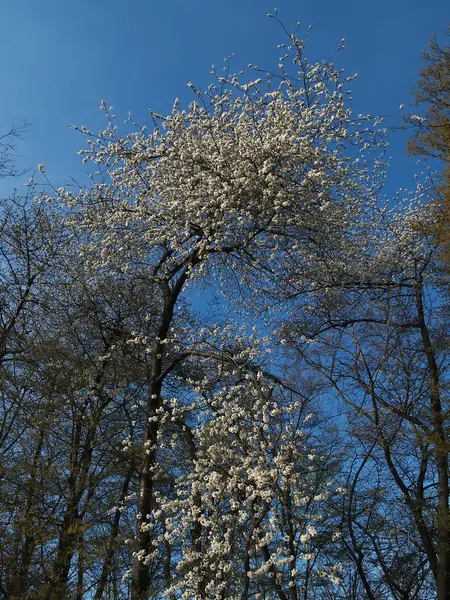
column 256, row 170
column 256, row 494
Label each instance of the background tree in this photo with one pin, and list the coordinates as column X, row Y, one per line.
column 382, row 344
column 431, row 137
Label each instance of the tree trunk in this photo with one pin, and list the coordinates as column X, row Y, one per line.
column 72, row 520
column 29, row 524
column 140, row 579
column 442, row 446
column 108, row 561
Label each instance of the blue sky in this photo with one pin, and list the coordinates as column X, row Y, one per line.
column 60, row 57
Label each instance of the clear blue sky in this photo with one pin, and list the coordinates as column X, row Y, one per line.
column 60, row 57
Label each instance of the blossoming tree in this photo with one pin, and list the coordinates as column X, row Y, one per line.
column 252, row 178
